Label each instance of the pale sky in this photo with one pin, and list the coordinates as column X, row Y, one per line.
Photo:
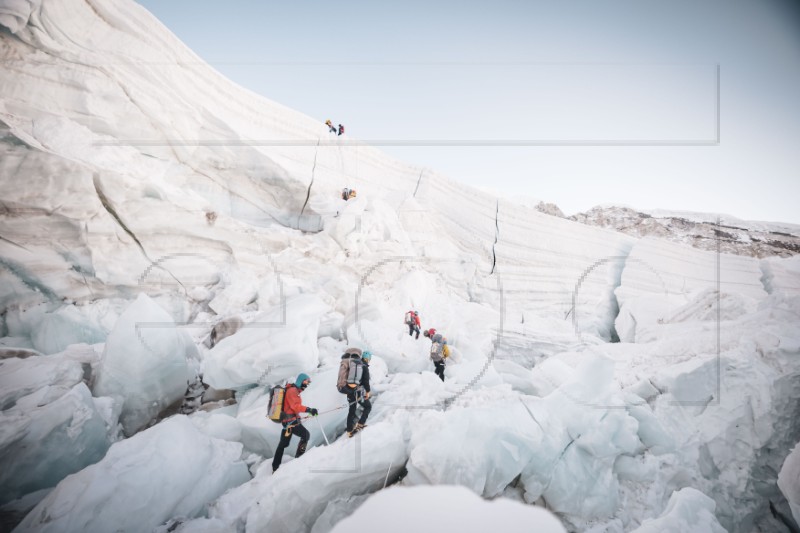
column 681, row 105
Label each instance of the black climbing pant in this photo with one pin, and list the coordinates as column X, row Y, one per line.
column 286, row 436
column 439, row 368
column 354, row 398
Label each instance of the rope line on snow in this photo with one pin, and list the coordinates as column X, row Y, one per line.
column 301, row 418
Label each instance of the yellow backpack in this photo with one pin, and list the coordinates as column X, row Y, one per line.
column 275, row 406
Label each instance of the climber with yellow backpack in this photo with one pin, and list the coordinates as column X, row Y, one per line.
column 440, row 351
column 285, row 407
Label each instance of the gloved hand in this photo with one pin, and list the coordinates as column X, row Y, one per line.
column 312, row 411
column 366, row 395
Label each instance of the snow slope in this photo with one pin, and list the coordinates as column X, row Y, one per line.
column 114, row 125
column 129, row 166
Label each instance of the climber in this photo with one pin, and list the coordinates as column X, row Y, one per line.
column 440, row 351
column 292, row 407
column 341, row 129
column 433, row 336
column 412, row 321
column 353, row 380
column 331, row 128
column 348, row 193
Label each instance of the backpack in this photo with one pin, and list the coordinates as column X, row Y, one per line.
column 445, row 351
column 275, row 406
column 409, row 318
column 350, row 370
column 436, row 352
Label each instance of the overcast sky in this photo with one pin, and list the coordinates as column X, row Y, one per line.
column 683, row 105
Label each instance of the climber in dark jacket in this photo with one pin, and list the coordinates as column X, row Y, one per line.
column 359, row 395
column 292, row 407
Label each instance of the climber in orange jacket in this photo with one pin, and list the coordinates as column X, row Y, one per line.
column 292, row 408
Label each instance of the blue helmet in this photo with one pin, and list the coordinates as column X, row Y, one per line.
column 366, row 356
column 300, row 379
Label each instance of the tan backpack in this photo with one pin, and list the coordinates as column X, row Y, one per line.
column 350, row 370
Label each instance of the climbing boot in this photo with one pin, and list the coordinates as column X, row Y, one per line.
column 301, row 449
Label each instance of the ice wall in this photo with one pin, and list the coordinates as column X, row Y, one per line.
column 144, row 364
column 51, row 425
column 660, row 278
column 168, row 470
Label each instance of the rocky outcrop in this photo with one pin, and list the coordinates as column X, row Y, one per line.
column 727, row 236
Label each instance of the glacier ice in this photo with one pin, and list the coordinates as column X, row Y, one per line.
column 144, row 363
column 53, row 330
column 688, row 510
column 64, row 327
column 688, row 403
column 48, row 435
column 789, row 481
column 169, row 470
column 276, row 344
column 336, row 511
column 455, row 453
column 21, row 377
column 297, row 494
column 52, row 426
column 445, row 508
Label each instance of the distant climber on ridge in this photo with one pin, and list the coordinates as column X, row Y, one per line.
column 341, row 129
column 412, row 321
column 292, row 407
column 330, row 125
column 348, row 193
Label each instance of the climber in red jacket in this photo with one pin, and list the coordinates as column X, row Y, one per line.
column 292, row 407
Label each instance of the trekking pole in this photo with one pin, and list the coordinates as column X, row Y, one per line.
column 385, row 481
column 323, row 431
